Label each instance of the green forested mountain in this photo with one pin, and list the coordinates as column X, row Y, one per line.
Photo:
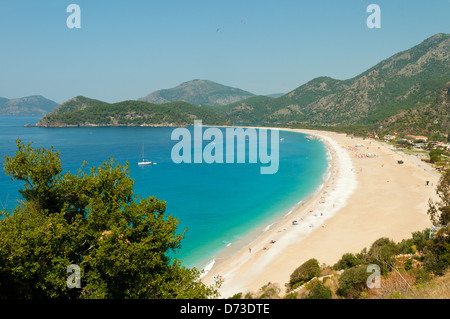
column 409, row 80
column 406, row 80
column 427, row 120
column 29, row 106
column 82, row 111
column 198, row 92
column 75, row 104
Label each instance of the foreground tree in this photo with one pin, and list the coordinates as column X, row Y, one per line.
column 435, row 155
column 304, row 273
column 120, row 242
column 382, row 253
column 437, row 250
column 353, row 281
column 440, row 212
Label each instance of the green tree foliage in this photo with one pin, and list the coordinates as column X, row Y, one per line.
column 129, row 113
column 319, row 291
column 438, row 137
column 304, row 273
column 440, row 212
column 435, row 155
column 353, row 281
column 347, row 260
column 437, row 252
column 416, row 243
column 420, row 238
column 382, row 253
column 121, row 242
column 39, row 169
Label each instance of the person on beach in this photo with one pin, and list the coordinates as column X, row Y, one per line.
column 249, row 249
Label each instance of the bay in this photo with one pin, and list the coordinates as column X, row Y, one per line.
column 217, row 203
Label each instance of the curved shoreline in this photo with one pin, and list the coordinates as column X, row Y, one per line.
column 259, row 230
column 312, row 213
column 386, row 200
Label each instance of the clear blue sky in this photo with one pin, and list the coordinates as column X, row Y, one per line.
column 127, row 49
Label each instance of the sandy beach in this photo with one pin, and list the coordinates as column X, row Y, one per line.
column 363, row 199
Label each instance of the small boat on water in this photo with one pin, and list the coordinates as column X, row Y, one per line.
column 143, row 161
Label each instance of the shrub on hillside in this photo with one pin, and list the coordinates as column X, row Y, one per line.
column 435, row 155
column 304, row 273
column 422, row 275
column 353, row 281
column 420, row 239
column 236, row 296
column 319, row 291
column 347, row 260
column 416, row 243
column 382, row 253
column 292, row 295
column 440, row 211
column 437, row 252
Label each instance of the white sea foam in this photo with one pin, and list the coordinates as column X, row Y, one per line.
column 344, row 184
column 226, row 243
column 208, row 267
column 334, row 199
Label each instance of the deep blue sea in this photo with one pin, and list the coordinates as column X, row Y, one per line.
column 218, row 203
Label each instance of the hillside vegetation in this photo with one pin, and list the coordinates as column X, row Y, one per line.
column 398, row 92
column 92, row 220
column 427, row 120
column 82, row 111
column 407, row 80
column 416, row 267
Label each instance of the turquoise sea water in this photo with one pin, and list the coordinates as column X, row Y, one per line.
column 218, row 203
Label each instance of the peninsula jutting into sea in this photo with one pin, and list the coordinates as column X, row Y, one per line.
column 153, row 181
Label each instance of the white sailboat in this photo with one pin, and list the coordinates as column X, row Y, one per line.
column 143, row 161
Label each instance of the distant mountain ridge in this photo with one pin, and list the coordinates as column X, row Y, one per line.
column 198, row 92
column 35, row 105
column 275, row 95
column 406, row 80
